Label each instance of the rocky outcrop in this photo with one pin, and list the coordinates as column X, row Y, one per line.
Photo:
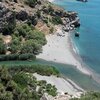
column 14, row 10
column 6, row 17
column 22, row 15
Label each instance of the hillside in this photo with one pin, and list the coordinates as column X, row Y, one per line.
column 18, row 84
column 24, row 24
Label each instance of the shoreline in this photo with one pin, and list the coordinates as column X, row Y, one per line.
column 85, row 69
column 51, row 0
column 63, row 85
column 62, row 51
column 75, row 53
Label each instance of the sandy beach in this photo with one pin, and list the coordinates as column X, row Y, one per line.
column 62, row 85
column 50, row 0
column 59, row 49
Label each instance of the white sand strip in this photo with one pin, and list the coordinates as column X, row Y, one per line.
column 50, row 0
column 62, row 85
column 58, row 49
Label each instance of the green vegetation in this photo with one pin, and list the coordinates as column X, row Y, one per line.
column 13, row 57
column 22, row 85
column 36, row 68
column 89, row 96
column 27, row 40
column 2, row 47
column 31, row 3
column 25, row 44
column 57, row 20
column 11, row 25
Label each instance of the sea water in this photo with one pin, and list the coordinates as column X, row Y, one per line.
column 88, row 43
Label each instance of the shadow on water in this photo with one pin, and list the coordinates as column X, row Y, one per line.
column 69, row 71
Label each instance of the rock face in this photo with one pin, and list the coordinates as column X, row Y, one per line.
column 14, row 11
column 6, row 17
column 22, row 15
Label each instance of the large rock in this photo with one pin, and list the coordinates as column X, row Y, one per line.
column 22, row 15
column 33, row 19
column 59, row 13
column 3, row 10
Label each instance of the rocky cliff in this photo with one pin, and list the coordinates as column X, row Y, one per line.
column 39, row 13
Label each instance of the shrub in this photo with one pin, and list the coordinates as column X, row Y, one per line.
column 31, row 3
column 36, row 68
column 57, row 20
column 2, row 47
column 27, row 57
column 12, row 57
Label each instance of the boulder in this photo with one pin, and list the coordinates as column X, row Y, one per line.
column 59, row 13
column 22, row 15
column 3, row 10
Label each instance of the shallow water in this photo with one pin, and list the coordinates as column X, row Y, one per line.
column 88, row 45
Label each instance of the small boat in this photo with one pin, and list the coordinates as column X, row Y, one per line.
column 83, row 0
column 77, row 34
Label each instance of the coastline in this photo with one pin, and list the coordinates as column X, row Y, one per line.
column 51, row 0
column 82, row 66
column 62, row 50
column 63, row 85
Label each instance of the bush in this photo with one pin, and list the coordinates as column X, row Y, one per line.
column 12, row 57
column 31, row 3
column 57, row 20
column 33, row 40
column 2, row 47
column 27, row 57
column 36, row 68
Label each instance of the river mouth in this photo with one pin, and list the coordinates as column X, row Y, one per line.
column 68, row 71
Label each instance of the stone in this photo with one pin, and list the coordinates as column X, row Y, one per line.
column 22, row 15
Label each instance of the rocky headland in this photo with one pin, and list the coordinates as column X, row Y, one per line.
column 42, row 15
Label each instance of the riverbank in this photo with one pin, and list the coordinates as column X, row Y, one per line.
column 59, row 49
column 64, row 87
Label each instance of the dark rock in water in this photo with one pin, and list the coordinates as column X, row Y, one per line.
column 83, row 0
column 77, row 34
column 76, row 24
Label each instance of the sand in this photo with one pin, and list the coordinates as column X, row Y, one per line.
column 62, row 85
column 50, row 0
column 59, row 49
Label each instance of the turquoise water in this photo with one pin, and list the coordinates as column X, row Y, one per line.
column 89, row 42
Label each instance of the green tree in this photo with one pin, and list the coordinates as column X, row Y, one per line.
column 15, row 45
column 3, row 47
column 31, row 3
column 31, row 46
